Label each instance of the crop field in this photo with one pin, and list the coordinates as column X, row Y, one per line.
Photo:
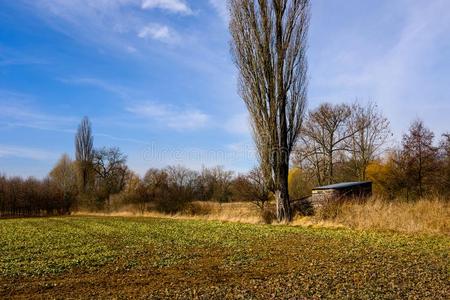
column 118, row 257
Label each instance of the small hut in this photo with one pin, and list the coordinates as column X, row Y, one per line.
column 338, row 191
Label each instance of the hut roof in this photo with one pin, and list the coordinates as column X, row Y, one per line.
column 342, row 185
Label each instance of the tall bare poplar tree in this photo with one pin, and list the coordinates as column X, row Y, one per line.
column 84, row 152
column 269, row 49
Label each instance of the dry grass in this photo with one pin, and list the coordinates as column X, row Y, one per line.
column 431, row 216
column 242, row 212
column 424, row 216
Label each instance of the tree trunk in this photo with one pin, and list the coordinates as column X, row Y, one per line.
column 284, row 212
column 283, row 207
column 330, row 167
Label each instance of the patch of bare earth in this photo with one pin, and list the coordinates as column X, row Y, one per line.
column 290, row 267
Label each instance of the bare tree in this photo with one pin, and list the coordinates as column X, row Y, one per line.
column 214, row 183
column 309, row 156
column 269, row 50
column 135, row 192
column 110, row 167
column 419, row 158
column 251, row 187
column 325, row 132
column 180, row 187
column 84, row 143
column 64, row 176
column 371, row 133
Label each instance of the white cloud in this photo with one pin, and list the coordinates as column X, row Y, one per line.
column 110, row 24
column 172, row 117
column 25, row 152
column 158, row 32
column 131, row 49
column 176, row 6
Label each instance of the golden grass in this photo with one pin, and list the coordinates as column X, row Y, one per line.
column 431, row 216
column 242, row 212
column 422, row 216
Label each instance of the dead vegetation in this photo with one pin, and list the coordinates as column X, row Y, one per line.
column 428, row 215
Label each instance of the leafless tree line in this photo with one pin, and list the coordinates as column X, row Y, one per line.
column 420, row 167
column 98, row 177
column 30, row 197
column 332, row 134
column 350, row 143
column 170, row 189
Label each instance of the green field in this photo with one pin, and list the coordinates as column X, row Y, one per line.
column 106, row 257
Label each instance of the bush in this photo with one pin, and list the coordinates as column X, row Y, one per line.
column 199, row 208
column 303, row 208
column 268, row 216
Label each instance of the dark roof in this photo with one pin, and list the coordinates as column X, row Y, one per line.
column 342, row 185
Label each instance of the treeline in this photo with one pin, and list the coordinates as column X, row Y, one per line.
column 170, row 189
column 353, row 143
column 99, row 179
column 338, row 143
column 31, row 197
column 105, row 181
column 166, row 190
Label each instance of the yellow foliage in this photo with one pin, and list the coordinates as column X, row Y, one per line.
column 380, row 174
column 298, row 184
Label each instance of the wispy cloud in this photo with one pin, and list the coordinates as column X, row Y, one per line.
column 25, row 152
column 158, row 32
column 176, row 6
column 121, row 139
column 166, row 115
column 11, row 57
column 111, row 24
column 125, row 26
column 390, row 70
column 171, row 116
column 16, row 112
column 116, row 89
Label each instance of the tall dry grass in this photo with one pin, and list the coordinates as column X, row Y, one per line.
column 430, row 215
column 242, row 212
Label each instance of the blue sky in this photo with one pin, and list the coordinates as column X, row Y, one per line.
column 156, row 78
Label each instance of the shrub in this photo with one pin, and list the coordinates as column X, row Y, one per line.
column 268, row 216
column 303, row 208
column 199, row 208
